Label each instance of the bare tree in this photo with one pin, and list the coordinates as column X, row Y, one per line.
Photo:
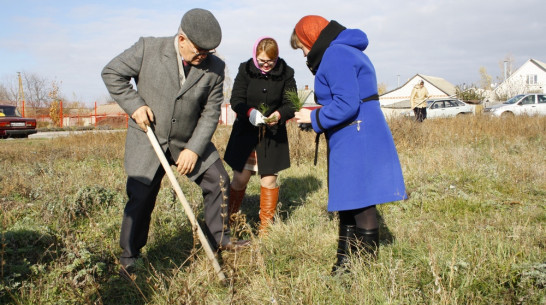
column 36, row 90
column 76, row 102
column 9, row 89
column 4, row 94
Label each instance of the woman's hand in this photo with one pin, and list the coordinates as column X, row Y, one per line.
column 303, row 116
column 273, row 118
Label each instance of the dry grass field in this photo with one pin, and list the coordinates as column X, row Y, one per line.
column 472, row 231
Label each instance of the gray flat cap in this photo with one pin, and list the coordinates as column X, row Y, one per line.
column 202, row 28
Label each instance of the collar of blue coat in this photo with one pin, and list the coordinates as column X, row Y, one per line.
column 327, row 35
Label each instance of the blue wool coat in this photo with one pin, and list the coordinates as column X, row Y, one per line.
column 364, row 168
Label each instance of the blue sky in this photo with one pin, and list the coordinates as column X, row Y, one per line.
column 70, row 41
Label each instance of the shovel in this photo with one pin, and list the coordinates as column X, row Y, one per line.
column 185, row 204
column 407, row 112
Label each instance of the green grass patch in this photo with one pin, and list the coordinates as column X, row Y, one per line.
column 471, row 232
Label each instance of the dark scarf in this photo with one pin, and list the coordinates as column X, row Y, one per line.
column 327, row 35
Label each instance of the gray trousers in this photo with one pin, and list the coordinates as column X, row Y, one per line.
column 214, row 182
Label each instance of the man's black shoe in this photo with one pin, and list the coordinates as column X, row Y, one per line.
column 127, row 270
column 128, row 273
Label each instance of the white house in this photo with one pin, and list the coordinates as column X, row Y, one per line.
column 530, row 77
column 396, row 101
column 308, row 96
column 437, row 88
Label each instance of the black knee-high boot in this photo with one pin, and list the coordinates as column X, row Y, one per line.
column 367, row 240
column 345, row 243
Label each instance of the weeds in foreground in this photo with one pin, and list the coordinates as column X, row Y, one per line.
column 471, row 232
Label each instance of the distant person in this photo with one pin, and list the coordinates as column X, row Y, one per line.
column 363, row 165
column 179, row 92
column 258, row 142
column 418, row 97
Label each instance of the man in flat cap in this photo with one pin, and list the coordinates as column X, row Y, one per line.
column 179, row 91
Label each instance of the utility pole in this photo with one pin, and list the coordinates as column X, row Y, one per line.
column 21, row 94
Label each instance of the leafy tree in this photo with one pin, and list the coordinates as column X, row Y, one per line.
column 54, row 113
column 54, row 106
column 485, row 79
column 468, row 94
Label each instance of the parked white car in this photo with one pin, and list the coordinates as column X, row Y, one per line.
column 528, row 104
column 446, row 107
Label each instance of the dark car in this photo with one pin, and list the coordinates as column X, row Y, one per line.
column 12, row 124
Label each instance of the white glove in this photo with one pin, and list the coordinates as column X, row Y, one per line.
column 256, row 118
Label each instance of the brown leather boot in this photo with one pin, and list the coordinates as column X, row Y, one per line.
column 268, row 204
column 235, row 200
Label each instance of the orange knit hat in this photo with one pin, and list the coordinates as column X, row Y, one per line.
column 308, row 29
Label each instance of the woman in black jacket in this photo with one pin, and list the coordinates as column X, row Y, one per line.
column 258, row 142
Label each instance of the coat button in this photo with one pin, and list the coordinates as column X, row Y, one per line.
column 264, row 90
column 173, row 121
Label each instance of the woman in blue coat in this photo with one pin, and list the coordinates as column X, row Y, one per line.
column 363, row 165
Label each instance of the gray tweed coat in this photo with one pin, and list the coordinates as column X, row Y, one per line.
column 185, row 117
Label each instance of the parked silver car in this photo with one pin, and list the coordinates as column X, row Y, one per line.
column 446, row 107
column 528, row 104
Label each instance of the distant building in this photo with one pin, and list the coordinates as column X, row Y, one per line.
column 308, row 96
column 109, row 115
column 108, row 109
column 76, row 117
column 396, row 101
column 529, row 78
